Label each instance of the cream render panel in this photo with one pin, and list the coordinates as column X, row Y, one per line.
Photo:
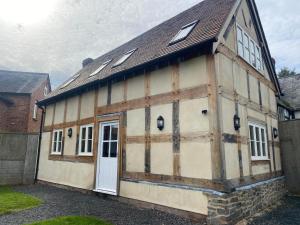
column 228, row 112
column 246, row 160
column 166, row 112
column 273, row 103
column 117, row 92
column 70, row 143
column 59, row 112
column 136, row 87
column 265, row 95
column 240, row 81
column 72, row 109
column 135, row 157
column 225, row 72
column 87, row 105
column 161, row 81
column 80, row 175
column 278, row 159
column 191, row 118
column 102, row 96
column 136, row 122
column 256, row 115
column 193, row 73
column 231, row 161
column 244, row 120
column 162, row 158
column 260, row 169
column 195, row 160
column 254, row 94
column 189, row 200
column 49, row 115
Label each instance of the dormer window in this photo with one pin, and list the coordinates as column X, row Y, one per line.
column 124, row 57
column 183, row 33
column 70, row 81
column 103, row 65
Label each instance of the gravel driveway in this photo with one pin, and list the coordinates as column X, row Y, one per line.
column 59, row 202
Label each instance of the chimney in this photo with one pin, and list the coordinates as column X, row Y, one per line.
column 273, row 61
column 86, row 62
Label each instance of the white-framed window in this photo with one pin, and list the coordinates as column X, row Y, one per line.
column 258, row 142
column 57, row 142
column 124, row 57
column 34, row 114
column 248, row 49
column 86, row 140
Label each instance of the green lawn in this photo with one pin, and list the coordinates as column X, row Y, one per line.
column 73, row 220
column 11, row 201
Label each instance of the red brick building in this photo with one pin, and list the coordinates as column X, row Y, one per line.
column 18, row 93
column 20, row 121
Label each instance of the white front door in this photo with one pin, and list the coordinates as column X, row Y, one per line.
column 107, row 163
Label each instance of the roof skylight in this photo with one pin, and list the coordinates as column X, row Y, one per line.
column 70, row 81
column 184, row 32
column 103, row 65
column 124, row 57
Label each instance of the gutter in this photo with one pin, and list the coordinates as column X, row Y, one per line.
column 39, row 146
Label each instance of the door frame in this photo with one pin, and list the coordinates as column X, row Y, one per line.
column 116, row 117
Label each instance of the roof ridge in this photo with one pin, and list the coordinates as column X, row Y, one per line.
column 25, row 72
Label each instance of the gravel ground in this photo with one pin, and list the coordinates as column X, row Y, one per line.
column 288, row 213
column 59, row 202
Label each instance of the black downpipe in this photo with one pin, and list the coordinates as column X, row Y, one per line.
column 39, row 146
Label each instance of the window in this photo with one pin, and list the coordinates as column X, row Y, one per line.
column 110, row 133
column 248, row 49
column 184, row 32
column 34, row 114
column 46, row 91
column 258, row 142
column 103, row 65
column 124, row 57
column 70, row 81
column 57, row 142
column 86, row 140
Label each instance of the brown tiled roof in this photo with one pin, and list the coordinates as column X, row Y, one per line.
column 20, row 82
column 291, row 89
column 154, row 44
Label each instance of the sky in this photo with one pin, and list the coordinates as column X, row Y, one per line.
column 54, row 36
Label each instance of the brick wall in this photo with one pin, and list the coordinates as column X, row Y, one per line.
column 15, row 118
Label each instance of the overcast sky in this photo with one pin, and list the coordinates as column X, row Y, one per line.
column 58, row 40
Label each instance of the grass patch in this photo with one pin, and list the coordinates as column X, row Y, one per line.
column 72, row 220
column 11, row 201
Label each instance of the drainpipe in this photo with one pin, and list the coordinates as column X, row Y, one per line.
column 39, row 146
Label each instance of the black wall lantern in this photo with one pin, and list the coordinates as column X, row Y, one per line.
column 70, row 131
column 160, row 123
column 275, row 132
column 236, row 122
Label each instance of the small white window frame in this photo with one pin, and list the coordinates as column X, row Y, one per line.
column 57, row 151
column 191, row 25
column 124, row 57
column 85, row 153
column 100, row 68
column 34, row 113
column 260, row 127
column 70, row 81
column 257, row 53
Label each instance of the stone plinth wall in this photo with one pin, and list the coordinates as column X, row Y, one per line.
column 244, row 202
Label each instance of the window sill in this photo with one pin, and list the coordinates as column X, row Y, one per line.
column 54, row 153
column 266, row 160
column 85, row 155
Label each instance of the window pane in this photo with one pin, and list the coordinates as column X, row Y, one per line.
column 240, row 49
column 264, row 153
column 258, row 149
column 258, row 58
column 252, row 50
column 89, row 148
column 262, row 135
column 114, row 132
column 54, row 146
column 90, row 133
column 246, row 45
column 60, row 136
column 55, row 136
column 113, row 149
column 59, row 147
column 105, row 149
column 253, row 148
column 82, row 146
column 257, row 141
column 83, row 133
column 251, row 133
column 106, row 133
